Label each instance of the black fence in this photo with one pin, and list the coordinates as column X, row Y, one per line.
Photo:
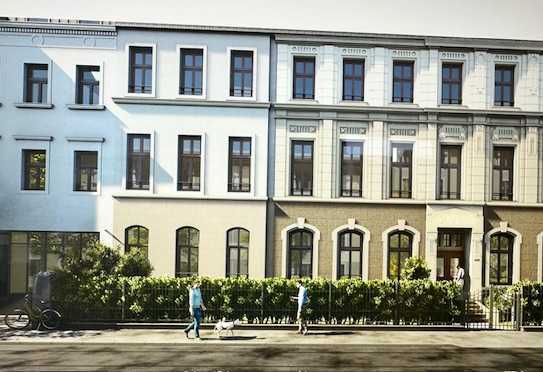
column 268, row 302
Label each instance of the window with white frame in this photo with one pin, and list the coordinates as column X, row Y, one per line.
column 88, row 85
column 140, row 69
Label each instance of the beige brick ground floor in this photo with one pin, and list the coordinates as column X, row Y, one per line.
column 444, row 234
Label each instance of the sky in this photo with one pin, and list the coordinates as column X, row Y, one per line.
column 507, row 19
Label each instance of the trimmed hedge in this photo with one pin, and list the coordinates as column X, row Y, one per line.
column 346, row 301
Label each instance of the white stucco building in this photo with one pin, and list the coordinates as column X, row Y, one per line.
column 137, row 136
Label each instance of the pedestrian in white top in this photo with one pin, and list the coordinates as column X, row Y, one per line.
column 302, row 300
column 459, row 277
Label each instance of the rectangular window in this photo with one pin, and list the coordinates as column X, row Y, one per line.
column 451, row 84
column 401, row 171
column 140, row 75
column 31, row 252
column 301, row 168
column 502, row 173
column 34, row 169
column 191, row 74
column 86, row 171
column 241, row 73
column 36, row 77
column 239, row 165
column 450, row 168
column 304, row 78
column 351, row 169
column 189, row 163
column 504, row 91
column 88, row 85
column 353, row 79
column 138, row 162
column 403, row 81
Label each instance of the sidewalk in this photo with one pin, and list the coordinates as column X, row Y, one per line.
column 473, row 339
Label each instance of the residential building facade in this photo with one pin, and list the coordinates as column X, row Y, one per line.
column 223, row 151
column 387, row 147
column 141, row 138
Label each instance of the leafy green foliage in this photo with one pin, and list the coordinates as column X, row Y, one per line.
column 415, row 268
column 347, row 301
column 135, row 263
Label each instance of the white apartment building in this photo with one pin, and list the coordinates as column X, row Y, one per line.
column 389, row 146
column 139, row 136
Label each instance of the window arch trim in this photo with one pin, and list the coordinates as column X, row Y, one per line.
column 366, row 236
column 300, row 224
column 517, row 243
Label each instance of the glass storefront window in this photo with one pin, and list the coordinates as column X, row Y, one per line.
column 32, row 252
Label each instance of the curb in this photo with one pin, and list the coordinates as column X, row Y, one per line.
column 270, row 327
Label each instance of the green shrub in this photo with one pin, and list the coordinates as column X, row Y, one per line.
column 347, row 301
column 135, row 263
column 415, row 268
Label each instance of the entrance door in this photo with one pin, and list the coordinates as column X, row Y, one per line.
column 450, row 253
column 4, row 264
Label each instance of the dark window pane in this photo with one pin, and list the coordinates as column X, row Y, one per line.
column 401, row 170
column 88, row 85
column 504, row 79
column 237, row 252
column 502, row 173
column 85, row 171
column 36, row 80
column 138, row 161
column 140, row 75
column 137, row 237
column 300, row 253
column 188, row 172
column 402, row 81
column 304, row 77
column 301, row 172
column 353, row 80
column 34, row 169
column 239, row 177
column 351, row 169
column 241, row 73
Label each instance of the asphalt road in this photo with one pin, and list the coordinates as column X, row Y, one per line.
column 238, row 357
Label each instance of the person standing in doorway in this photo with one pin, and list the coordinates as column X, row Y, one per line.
column 302, row 300
column 196, row 306
column 459, row 277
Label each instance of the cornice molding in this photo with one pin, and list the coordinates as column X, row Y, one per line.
column 188, row 102
column 416, row 115
column 57, row 29
column 285, row 35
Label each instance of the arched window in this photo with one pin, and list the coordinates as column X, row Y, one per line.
column 186, row 251
column 300, row 254
column 501, row 259
column 136, row 237
column 237, row 252
column 400, row 248
column 350, row 254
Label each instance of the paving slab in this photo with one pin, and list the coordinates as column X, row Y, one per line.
column 466, row 339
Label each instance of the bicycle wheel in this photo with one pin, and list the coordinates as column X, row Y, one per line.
column 50, row 319
column 17, row 319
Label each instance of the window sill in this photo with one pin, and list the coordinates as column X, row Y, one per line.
column 506, row 108
column 241, row 99
column 353, row 103
column 24, row 105
column 452, row 106
column 304, row 101
column 191, row 97
column 403, row 104
column 75, row 106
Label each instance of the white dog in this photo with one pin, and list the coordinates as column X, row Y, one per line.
column 224, row 326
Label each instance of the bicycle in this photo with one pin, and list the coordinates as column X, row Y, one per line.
column 41, row 314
